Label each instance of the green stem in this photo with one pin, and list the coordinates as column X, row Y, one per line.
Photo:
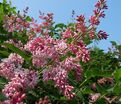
column 84, row 82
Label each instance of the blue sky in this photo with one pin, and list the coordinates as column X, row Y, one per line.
column 62, row 10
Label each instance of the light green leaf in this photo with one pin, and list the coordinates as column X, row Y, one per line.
column 117, row 74
column 1, row 12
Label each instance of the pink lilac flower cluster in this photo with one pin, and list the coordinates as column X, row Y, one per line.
column 47, row 19
column 14, row 23
column 10, row 64
column 98, row 12
column 16, row 43
column 41, row 28
column 20, row 79
column 95, row 19
column 80, row 50
column 46, row 49
column 46, row 100
column 80, row 25
column 83, row 29
column 7, row 70
column 15, row 89
column 59, row 76
column 94, row 97
column 42, row 50
column 18, row 23
column 71, row 63
column 76, row 46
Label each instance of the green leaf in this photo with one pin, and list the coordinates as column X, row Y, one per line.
column 87, row 90
column 60, row 25
column 2, row 97
column 71, row 24
column 17, row 50
column 2, row 37
column 98, row 73
column 101, row 89
column 63, row 98
column 79, row 94
column 3, row 81
column 4, row 1
column 28, row 18
column 117, row 89
column 113, row 43
column 5, row 53
column 101, row 101
column 117, row 74
column 1, row 12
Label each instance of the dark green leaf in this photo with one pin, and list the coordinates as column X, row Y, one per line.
column 100, row 73
column 87, row 90
column 113, row 43
column 60, row 25
column 17, row 50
